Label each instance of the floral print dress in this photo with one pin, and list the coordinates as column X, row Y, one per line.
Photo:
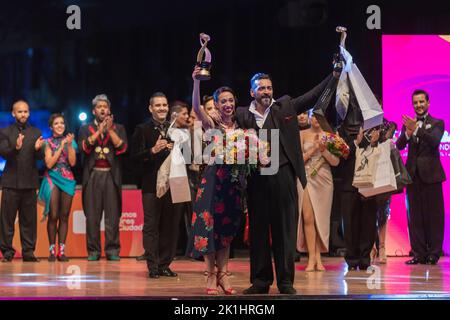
column 217, row 212
column 60, row 175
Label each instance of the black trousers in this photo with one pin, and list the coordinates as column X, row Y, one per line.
column 273, row 212
column 425, row 218
column 102, row 195
column 22, row 201
column 161, row 229
column 360, row 216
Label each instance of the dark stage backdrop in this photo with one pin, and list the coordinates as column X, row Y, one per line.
column 130, row 49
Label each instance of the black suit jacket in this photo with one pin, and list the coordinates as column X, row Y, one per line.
column 284, row 112
column 423, row 156
column 144, row 138
column 20, row 170
column 113, row 157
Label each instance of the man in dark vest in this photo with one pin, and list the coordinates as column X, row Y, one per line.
column 102, row 142
column 272, row 199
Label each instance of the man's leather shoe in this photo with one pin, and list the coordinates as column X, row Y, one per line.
column 94, row 257
column 363, row 267
column 30, row 259
column 432, row 260
column 352, row 267
column 7, row 258
column 167, row 273
column 256, row 290
column 142, row 258
column 112, row 257
column 154, row 274
column 288, row 290
column 414, row 261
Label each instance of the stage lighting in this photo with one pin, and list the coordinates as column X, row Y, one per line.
column 82, row 116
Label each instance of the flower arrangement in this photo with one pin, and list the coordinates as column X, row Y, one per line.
column 335, row 145
column 245, row 152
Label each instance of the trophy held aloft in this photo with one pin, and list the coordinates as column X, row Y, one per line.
column 204, row 59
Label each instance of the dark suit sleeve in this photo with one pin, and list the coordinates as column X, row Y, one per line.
column 240, row 116
column 434, row 137
column 139, row 151
column 349, row 141
column 123, row 136
column 402, row 141
column 6, row 149
column 307, row 100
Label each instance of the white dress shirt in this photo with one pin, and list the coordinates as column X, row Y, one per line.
column 260, row 118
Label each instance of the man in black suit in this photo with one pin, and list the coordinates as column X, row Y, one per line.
column 150, row 147
column 272, row 199
column 102, row 142
column 21, row 146
column 423, row 135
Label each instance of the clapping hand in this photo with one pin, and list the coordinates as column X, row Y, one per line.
column 410, row 124
column 69, row 139
column 39, row 143
column 102, row 126
column 109, row 122
column 316, row 142
column 63, row 143
column 19, row 141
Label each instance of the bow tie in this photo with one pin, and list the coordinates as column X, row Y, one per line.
column 421, row 119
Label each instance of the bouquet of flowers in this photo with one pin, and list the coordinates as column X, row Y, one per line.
column 245, row 152
column 335, row 145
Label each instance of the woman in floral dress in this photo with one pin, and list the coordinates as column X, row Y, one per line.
column 58, row 186
column 217, row 208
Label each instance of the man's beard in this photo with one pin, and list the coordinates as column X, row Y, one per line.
column 265, row 101
column 21, row 121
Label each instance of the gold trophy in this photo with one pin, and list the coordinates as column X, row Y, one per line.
column 205, row 65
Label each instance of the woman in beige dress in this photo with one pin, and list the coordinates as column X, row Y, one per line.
column 316, row 199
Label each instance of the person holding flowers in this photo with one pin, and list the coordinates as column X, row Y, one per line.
column 320, row 151
column 217, row 207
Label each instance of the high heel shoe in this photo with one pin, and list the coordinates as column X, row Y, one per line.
column 211, row 291
column 220, row 275
column 310, row 268
column 320, row 267
column 52, row 257
column 373, row 255
column 61, row 256
column 382, row 254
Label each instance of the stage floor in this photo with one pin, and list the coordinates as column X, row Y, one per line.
column 128, row 279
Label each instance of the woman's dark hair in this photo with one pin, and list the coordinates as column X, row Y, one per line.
column 53, row 117
column 178, row 105
column 221, row 90
column 207, row 98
